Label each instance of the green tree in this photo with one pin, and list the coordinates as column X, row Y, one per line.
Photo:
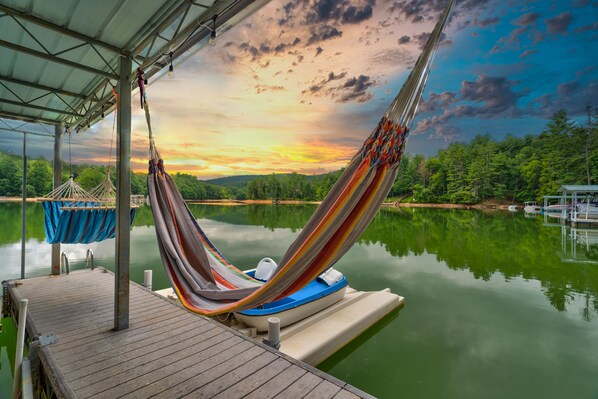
column 39, row 178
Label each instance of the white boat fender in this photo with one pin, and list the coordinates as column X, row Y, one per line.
column 331, row 276
column 265, row 269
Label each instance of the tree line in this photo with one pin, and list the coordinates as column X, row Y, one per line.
column 514, row 169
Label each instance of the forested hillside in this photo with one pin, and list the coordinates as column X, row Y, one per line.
column 514, row 169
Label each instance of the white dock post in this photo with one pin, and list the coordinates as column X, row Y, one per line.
column 27, row 382
column 273, row 332
column 20, row 344
column 147, row 279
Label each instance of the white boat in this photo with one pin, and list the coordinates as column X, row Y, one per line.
column 532, row 207
column 556, row 208
column 586, row 209
column 512, row 208
column 324, row 291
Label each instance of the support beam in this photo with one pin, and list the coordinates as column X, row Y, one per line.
column 58, row 28
column 20, row 131
column 49, row 57
column 57, row 168
column 123, row 197
column 39, row 107
column 27, row 118
column 41, row 87
column 24, row 207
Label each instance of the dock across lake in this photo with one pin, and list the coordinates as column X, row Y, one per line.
column 166, row 352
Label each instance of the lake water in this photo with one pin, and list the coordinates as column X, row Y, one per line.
column 497, row 304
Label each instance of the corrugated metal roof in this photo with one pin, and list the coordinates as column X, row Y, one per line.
column 59, row 60
column 577, row 188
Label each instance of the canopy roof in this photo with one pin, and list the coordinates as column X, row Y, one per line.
column 579, row 189
column 59, row 60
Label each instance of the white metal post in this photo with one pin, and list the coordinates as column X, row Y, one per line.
column 20, row 345
column 24, row 206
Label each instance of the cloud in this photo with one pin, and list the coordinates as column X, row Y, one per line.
column 587, row 28
column 559, row 24
column 314, row 12
column 422, row 38
column 404, row 39
column 446, row 133
column 354, row 15
column 572, row 96
column 356, row 89
column 526, row 27
column 420, row 10
column 260, row 88
column 322, row 33
column 527, row 53
column 266, row 48
column 393, row 56
column 488, row 97
column 320, row 85
column 487, row 22
column 438, row 101
column 352, row 89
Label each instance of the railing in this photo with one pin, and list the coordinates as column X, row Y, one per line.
column 64, row 263
column 89, row 259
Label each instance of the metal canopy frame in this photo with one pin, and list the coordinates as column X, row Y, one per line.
column 75, row 67
column 175, row 26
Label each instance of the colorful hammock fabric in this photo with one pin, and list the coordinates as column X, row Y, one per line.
column 208, row 284
column 69, row 222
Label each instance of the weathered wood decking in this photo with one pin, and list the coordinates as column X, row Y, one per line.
column 167, row 351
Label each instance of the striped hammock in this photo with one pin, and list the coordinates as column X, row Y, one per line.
column 75, row 222
column 207, row 283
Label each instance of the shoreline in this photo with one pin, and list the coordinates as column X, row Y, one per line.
column 225, row 202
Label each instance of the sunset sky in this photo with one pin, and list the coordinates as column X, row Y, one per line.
column 299, row 84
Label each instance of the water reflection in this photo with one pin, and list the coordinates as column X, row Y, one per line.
column 491, row 310
column 483, row 243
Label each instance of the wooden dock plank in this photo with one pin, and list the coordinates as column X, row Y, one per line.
column 82, row 334
column 123, row 371
column 141, row 356
column 344, row 394
column 166, row 352
column 214, row 372
column 272, row 387
column 325, row 389
column 242, row 380
column 183, row 328
column 301, row 387
column 108, row 338
column 181, row 368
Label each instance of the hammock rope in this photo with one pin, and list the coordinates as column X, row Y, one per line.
column 105, row 191
column 208, row 284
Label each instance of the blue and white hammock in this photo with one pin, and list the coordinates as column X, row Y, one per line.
column 75, row 216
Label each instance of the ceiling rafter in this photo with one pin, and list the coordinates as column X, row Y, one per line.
column 49, row 57
column 38, row 107
column 57, row 28
column 27, row 118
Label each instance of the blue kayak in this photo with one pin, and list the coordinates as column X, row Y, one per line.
column 314, row 297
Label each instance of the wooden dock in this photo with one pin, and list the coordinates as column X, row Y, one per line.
column 166, row 352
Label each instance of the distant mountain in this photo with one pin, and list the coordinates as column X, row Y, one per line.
column 243, row 180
